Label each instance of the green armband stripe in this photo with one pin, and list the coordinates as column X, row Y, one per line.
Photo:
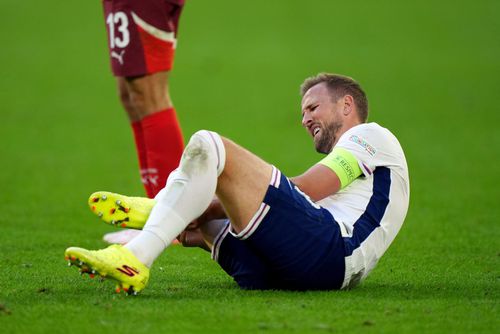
column 344, row 164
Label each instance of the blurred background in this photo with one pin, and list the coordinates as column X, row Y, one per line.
column 431, row 71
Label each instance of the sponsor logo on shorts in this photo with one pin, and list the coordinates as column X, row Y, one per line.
column 129, row 271
column 361, row 142
column 118, row 56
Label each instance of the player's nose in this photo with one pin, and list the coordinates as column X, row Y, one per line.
column 306, row 120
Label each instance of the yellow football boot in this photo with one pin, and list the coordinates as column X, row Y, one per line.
column 115, row 262
column 120, row 210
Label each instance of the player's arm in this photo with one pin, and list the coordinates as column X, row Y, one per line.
column 336, row 171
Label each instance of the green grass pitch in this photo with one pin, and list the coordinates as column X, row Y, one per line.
column 431, row 70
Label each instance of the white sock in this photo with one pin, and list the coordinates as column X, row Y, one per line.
column 188, row 192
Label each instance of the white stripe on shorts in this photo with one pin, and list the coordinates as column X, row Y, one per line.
column 218, row 240
column 254, row 222
column 275, row 178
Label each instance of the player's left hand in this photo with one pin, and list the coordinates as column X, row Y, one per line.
column 193, row 238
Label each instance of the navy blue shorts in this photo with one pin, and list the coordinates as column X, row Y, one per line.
column 289, row 244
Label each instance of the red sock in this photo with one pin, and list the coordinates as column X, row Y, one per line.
column 140, row 146
column 164, row 146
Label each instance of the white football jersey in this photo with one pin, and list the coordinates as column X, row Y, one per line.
column 371, row 210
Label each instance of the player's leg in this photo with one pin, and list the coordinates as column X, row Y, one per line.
column 242, row 186
column 157, row 131
column 283, row 241
column 157, row 134
column 161, row 130
column 289, row 243
column 189, row 191
column 147, row 94
column 241, row 262
column 204, row 169
column 156, row 23
column 142, row 39
column 134, row 118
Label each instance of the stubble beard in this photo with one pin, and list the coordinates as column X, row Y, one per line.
column 328, row 137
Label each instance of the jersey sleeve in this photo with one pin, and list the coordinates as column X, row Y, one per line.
column 362, row 142
column 368, row 145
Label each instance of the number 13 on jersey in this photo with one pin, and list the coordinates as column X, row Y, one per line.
column 119, row 34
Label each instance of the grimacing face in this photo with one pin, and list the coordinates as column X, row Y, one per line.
column 322, row 117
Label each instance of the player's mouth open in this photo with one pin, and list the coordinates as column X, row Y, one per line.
column 315, row 131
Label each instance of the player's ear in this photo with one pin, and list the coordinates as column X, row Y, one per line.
column 348, row 105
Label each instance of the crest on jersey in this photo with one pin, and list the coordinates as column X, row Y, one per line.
column 361, row 142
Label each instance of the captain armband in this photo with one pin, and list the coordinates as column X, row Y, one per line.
column 344, row 164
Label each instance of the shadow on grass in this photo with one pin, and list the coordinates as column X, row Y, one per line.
column 426, row 290
column 68, row 288
column 393, row 291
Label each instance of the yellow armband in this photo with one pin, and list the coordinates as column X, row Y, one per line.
column 344, row 164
